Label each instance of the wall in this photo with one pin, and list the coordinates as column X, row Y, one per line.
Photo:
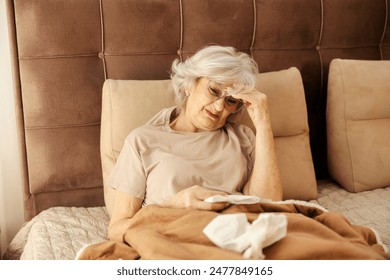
column 11, row 202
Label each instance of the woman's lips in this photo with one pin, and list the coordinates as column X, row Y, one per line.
column 214, row 116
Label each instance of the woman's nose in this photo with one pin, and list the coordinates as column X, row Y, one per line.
column 219, row 104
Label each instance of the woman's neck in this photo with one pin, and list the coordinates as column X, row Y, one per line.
column 181, row 124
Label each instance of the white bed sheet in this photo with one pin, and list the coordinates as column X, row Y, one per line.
column 60, row 232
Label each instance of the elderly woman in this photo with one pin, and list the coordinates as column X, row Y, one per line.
column 195, row 150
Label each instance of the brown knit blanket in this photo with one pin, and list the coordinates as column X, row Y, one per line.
column 312, row 233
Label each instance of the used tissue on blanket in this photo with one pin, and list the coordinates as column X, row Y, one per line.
column 234, row 232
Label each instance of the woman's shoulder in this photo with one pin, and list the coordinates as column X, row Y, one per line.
column 157, row 123
column 161, row 118
column 244, row 135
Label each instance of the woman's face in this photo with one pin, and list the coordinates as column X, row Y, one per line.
column 204, row 111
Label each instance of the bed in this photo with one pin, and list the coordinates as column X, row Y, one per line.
column 78, row 66
column 76, row 227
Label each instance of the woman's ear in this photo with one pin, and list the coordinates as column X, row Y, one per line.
column 191, row 86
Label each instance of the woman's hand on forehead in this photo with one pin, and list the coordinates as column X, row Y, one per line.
column 238, row 89
column 256, row 105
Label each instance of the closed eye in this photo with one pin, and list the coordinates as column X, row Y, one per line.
column 231, row 101
column 214, row 92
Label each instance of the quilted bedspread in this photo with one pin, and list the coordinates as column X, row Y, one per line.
column 58, row 233
column 61, row 232
column 369, row 208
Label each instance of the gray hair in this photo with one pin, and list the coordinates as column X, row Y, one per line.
column 224, row 65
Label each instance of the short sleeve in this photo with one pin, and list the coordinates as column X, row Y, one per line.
column 128, row 174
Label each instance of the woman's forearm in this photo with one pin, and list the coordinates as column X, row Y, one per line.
column 125, row 207
column 265, row 178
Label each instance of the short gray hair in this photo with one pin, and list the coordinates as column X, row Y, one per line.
column 224, row 65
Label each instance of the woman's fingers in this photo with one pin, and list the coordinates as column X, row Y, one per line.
column 256, row 104
column 213, row 206
column 193, row 197
column 203, row 193
column 199, row 194
column 253, row 98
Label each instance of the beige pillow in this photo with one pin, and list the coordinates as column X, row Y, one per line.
column 358, row 123
column 129, row 104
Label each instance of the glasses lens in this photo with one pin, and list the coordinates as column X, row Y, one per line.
column 233, row 105
column 215, row 91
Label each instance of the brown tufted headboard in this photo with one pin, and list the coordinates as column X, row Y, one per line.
column 63, row 50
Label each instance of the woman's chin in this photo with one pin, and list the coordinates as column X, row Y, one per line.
column 210, row 125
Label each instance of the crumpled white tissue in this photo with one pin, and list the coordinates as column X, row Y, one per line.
column 234, row 232
column 235, row 199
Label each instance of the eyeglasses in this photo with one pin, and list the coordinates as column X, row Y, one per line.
column 215, row 91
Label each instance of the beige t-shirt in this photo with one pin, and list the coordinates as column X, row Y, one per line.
column 157, row 162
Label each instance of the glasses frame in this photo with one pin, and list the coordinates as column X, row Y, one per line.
column 214, row 91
